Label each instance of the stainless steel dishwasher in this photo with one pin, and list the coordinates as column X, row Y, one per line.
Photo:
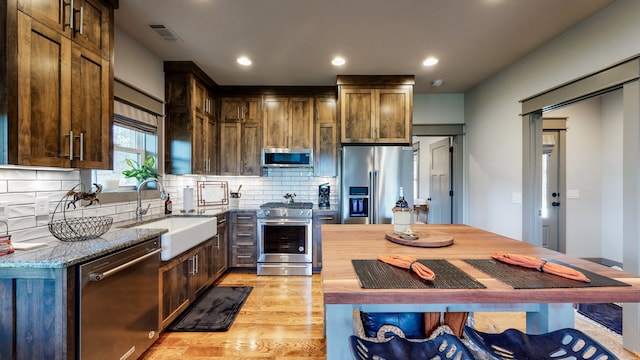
column 118, row 297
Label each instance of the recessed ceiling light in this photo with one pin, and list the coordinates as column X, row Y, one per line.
column 338, row 61
column 243, row 60
column 430, row 61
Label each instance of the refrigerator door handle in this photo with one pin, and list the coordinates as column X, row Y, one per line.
column 371, row 198
column 374, row 197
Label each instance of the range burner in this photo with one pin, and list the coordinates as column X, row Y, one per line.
column 280, row 205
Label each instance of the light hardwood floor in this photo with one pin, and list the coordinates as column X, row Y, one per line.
column 282, row 319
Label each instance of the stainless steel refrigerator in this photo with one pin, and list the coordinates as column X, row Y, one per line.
column 371, row 178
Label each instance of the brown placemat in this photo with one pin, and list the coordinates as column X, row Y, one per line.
column 520, row 277
column 375, row 274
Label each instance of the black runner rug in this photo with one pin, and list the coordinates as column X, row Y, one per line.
column 215, row 310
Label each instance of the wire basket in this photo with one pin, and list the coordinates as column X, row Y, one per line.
column 79, row 228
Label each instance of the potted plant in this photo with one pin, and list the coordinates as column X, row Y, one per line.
column 142, row 171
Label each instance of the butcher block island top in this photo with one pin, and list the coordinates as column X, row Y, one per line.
column 548, row 306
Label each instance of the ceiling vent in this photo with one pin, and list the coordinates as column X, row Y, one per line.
column 164, row 33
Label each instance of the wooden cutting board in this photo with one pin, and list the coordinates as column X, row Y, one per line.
column 431, row 238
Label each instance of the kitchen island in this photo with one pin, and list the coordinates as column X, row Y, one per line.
column 547, row 308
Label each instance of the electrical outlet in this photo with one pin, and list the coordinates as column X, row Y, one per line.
column 42, row 206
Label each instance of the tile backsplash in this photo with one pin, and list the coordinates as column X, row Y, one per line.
column 20, row 187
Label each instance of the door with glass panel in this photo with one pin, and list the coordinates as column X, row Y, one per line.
column 553, row 192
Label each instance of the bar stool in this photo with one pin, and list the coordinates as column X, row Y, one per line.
column 445, row 347
column 556, row 345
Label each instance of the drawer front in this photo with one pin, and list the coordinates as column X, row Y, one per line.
column 244, row 256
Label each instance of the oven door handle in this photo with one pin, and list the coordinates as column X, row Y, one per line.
column 284, row 222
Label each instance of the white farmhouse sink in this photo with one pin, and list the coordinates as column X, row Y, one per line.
column 184, row 233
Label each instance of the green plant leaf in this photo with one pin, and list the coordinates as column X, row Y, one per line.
column 141, row 172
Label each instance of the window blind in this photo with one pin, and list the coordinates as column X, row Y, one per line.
column 134, row 118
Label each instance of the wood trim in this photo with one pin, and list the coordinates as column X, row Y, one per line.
column 554, row 123
column 375, row 80
column 437, row 129
column 189, row 67
column 593, row 84
column 243, row 91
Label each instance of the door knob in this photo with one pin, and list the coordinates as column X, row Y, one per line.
column 555, row 203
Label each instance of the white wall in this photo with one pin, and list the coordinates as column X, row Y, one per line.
column 611, row 158
column 137, row 66
column 494, row 126
column 594, row 169
column 438, row 108
column 584, row 167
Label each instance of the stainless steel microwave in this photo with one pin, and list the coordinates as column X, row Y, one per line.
column 285, row 157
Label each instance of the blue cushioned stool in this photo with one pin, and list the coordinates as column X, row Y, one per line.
column 411, row 324
column 560, row 344
column 446, row 346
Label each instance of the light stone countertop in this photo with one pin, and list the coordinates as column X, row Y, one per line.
column 60, row 254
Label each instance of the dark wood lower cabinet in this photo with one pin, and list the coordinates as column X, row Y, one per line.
column 319, row 218
column 185, row 277
column 37, row 314
column 174, row 288
column 243, row 251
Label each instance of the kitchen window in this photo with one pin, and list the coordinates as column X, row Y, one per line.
column 135, row 136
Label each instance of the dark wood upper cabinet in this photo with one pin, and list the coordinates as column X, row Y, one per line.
column 246, row 109
column 191, row 129
column 376, row 109
column 326, row 137
column 59, row 87
column 240, row 135
column 288, row 122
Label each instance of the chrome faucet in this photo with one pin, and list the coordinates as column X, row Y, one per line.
column 139, row 211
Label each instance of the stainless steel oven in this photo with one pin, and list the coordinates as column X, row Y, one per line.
column 284, row 239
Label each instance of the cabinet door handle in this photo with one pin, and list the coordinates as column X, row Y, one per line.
column 243, row 256
column 81, row 20
column 326, row 218
column 244, row 217
column 81, row 146
column 71, row 14
column 70, row 144
column 218, row 241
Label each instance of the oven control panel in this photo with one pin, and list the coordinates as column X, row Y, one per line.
column 285, row 213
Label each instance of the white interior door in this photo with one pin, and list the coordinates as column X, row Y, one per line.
column 550, row 190
column 440, row 192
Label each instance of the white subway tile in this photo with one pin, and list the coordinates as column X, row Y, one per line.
column 18, row 198
column 37, row 185
column 17, row 174
column 58, row 175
